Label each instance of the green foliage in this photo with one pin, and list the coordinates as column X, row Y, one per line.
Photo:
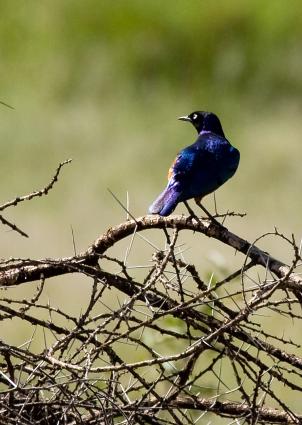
column 201, row 47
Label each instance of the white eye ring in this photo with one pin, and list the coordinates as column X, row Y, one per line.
column 195, row 116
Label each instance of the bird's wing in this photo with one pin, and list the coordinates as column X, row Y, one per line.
column 166, row 202
column 208, row 153
column 182, row 164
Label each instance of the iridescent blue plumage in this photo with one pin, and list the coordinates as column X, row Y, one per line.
column 201, row 168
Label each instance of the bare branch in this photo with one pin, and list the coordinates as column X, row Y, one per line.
column 36, row 193
column 156, row 343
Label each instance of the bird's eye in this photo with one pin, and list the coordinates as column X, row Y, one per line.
column 194, row 117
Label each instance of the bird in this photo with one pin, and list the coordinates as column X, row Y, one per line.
column 198, row 169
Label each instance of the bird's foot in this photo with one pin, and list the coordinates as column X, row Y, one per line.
column 211, row 217
column 192, row 215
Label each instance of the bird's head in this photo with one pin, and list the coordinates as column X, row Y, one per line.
column 204, row 121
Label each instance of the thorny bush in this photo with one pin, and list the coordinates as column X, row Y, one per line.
column 157, row 343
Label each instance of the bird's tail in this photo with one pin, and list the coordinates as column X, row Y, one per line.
column 166, row 202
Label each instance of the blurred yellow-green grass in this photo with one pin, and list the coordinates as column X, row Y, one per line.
column 103, row 82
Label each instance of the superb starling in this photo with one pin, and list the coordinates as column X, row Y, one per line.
column 200, row 168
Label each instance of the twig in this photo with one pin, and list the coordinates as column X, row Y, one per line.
column 40, row 192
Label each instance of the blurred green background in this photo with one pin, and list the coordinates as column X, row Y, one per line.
column 103, row 82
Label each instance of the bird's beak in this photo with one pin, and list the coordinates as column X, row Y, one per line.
column 184, row 118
